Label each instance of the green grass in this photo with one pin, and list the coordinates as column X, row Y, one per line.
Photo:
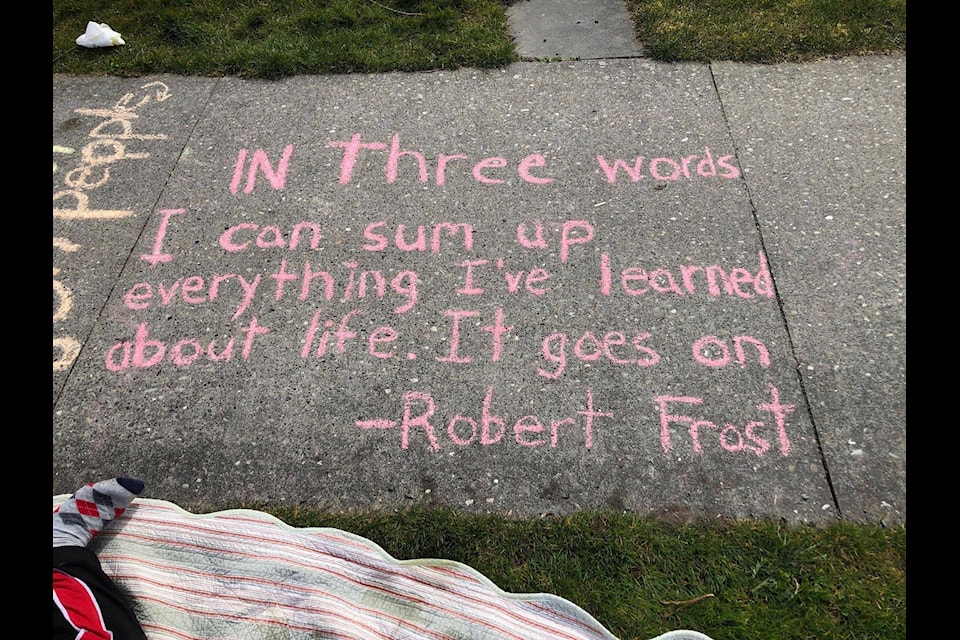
column 278, row 38
column 769, row 30
column 641, row 577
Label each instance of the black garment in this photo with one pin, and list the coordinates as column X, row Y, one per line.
column 87, row 604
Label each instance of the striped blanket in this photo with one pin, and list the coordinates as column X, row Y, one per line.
column 243, row 574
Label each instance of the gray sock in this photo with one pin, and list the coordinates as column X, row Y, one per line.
column 91, row 508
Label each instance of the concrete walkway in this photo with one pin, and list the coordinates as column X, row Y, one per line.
column 588, row 283
column 579, row 29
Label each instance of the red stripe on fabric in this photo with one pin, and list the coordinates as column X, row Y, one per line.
column 372, row 612
column 579, row 622
column 388, row 566
column 500, row 611
column 246, row 618
column 79, row 607
column 173, row 631
column 492, row 601
column 494, row 604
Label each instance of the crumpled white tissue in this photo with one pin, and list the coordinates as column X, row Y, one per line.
column 99, row 35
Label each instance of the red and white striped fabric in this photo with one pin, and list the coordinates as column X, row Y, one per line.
column 243, row 574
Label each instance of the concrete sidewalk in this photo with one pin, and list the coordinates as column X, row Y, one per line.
column 612, row 283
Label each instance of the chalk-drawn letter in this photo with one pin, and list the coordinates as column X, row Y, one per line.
column 260, row 161
column 158, row 256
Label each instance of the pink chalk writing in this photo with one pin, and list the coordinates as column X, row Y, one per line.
column 669, row 169
column 456, row 315
column 239, row 237
column 342, row 335
column 378, row 242
column 730, row 437
column 573, row 232
column 353, row 285
column 589, row 348
column 463, row 430
column 704, row 349
column 738, row 281
column 512, row 279
column 158, row 255
column 277, row 179
column 398, row 163
column 483, row 171
column 345, row 296
column 145, row 351
column 496, row 330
